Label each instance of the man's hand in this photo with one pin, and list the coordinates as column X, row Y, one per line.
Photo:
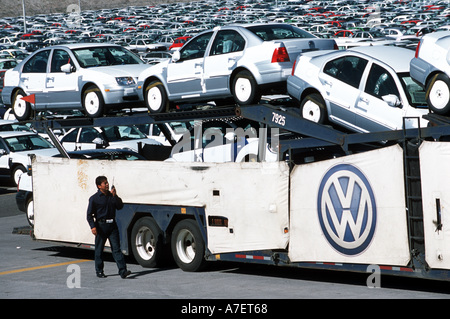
column 113, row 191
column 94, row 231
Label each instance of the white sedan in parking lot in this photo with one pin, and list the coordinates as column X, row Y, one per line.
column 236, row 61
column 84, row 76
column 431, row 69
column 363, row 89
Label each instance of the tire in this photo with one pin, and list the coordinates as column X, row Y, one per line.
column 93, row 103
column 20, row 108
column 29, row 211
column 188, row 247
column 313, row 108
column 156, row 97
column 438, row 94
column 17, row 171
column 245, row 89
column 147, row 242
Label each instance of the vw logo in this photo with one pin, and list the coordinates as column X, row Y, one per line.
column 347, row 209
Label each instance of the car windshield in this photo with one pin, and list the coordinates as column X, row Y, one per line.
column 104, row 56
column 414, row 92
column 27, row 143
column 277, row 32
column 123, row 133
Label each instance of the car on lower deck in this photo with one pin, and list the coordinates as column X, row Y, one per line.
column 83, row 76
column 364, row 89
column 239, row 62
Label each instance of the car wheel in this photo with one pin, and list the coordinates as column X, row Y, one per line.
column 93, row 104
column 147, row 242
column 439, row 94
column 29, row 207
column 188, row 247
column 156, row 97
column 313, row 108
column 21, row 108
column 17, row 171
column 245, row 89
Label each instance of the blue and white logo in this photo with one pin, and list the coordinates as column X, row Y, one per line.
column 347, row 209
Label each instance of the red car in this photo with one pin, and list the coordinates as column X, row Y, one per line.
column 179, row 42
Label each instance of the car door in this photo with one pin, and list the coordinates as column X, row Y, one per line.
column 184, row 77
column 62, row 87
column 227, row 48
column 374, row 112
column 34, row 75
column 341, row 80
column 89, row 138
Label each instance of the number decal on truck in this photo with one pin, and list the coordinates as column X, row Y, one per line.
column 278, row 119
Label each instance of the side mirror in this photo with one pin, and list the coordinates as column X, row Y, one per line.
column 392, row 100
column 2, row 152
column 67, row 68
column 176, row 56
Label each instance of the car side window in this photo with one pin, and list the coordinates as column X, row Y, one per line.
column 348, row 69
column 196, row 47
column 38, row 63
column 70, row 137
column 380, row 82
column 59, row 58
column 88, row 134
column 227, row 41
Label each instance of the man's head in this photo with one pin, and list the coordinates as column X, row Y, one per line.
column 102, row 184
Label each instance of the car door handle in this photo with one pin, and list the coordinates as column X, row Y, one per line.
column 365, row 100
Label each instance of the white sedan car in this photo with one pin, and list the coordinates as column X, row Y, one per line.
column 15, row 148
column 365, row 89
column 240, row 62
column 89, row 77
column 431, row 69
column 127, row 137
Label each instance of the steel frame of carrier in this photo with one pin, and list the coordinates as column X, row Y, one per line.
column 309, row 136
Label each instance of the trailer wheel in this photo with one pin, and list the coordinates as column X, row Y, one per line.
column 438, row 98
column 188, row 247
column 313, row 108
column 147, row 242
column 29, row 208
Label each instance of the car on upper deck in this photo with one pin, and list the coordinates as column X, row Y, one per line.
column 83, row 76
column 364, row 89
column 239, row 61
column 430, row 67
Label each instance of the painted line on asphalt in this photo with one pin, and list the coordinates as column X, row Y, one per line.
column 42, row 267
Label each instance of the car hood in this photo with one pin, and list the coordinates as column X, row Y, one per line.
column 23, row 157
column 133, row 144
column 121, row 70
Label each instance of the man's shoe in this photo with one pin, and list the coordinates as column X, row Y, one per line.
column 101, row 275
column 125, row 274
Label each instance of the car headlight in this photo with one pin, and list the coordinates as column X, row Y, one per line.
column 125, row 80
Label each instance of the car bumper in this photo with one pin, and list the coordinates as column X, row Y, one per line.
column 295, row 87
column 120, row 94
column 419, row 70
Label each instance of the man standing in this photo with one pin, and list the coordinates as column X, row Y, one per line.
column 101, row 214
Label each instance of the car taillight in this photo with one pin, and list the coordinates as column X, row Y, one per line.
column 293, row 67
column 417, row 49
column 280, row 55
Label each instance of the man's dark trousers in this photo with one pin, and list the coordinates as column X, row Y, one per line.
column 108, row 231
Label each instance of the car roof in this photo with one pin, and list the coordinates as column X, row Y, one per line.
column 396, row 57
column 16, row 133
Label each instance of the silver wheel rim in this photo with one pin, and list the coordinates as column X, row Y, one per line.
column 91, row 103
column 439, row 95
column 185, row 246
column 17, row 174
column 20, row 106
column 154, row 98
column 311, row 111
column 243, row 89
column 145, row 243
